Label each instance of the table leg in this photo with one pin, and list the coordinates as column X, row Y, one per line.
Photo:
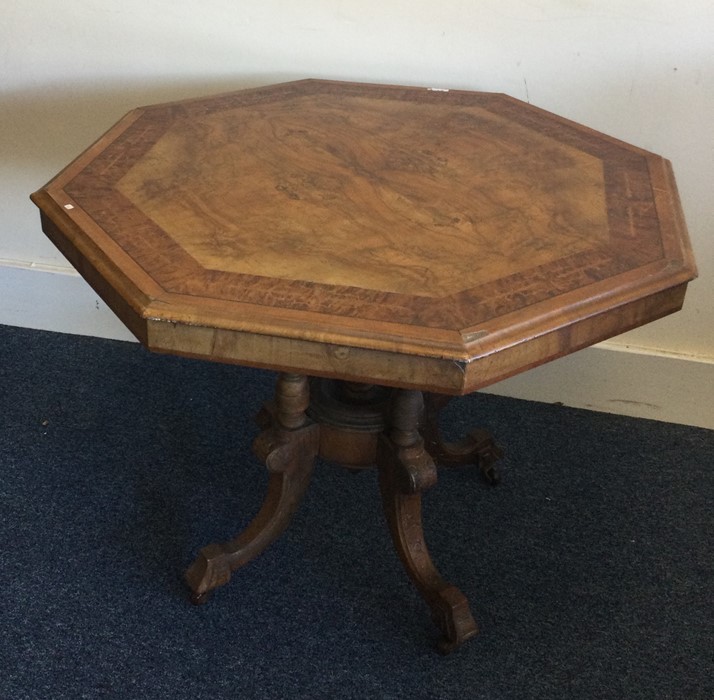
column 478, row 447
column 288, row 446
column 405, row 470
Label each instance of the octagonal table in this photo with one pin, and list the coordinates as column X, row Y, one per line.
column 396, row 244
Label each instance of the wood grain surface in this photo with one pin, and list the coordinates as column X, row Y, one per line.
column 413, row 237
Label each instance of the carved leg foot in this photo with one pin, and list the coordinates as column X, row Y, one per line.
column 478, row 447
column 288, row 446
column 405, row 470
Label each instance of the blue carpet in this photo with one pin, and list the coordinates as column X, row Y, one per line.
column 589, row 569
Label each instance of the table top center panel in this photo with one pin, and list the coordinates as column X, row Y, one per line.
column 369, row 193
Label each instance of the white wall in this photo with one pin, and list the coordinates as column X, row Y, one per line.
column 641, row 70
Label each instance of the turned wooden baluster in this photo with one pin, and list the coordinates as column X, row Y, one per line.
column 405, row 470
column 288, row 446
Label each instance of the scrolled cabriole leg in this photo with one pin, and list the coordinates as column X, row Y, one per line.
column 288, row 445
column 405, row 470
column 478, row 447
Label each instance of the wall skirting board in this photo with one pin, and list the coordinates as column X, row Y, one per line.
column 608, row 377
column 615, row 379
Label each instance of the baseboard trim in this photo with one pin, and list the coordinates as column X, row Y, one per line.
column 607, row 377
column 612, row 379
column 53, row 299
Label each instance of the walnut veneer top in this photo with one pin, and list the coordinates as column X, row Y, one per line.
column 404, row 236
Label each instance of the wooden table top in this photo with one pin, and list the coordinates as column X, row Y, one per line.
column 411, row 237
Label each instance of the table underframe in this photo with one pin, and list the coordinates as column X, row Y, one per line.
column 360, row 426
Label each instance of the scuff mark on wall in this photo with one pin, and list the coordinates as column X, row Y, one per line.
column 636, row 403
